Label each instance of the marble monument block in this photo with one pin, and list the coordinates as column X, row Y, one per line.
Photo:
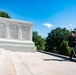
column 16, row 35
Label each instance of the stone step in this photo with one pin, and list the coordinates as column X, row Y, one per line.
column 6, row 64
column 1, row 51
column 21, row 68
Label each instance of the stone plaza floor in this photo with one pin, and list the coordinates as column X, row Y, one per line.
column 27, row 63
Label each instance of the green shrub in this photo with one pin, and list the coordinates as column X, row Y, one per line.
column 64, row 49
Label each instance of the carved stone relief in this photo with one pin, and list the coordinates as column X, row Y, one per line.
column 2, row 30
column 25, row 32
column 14, row 31
column 25, row 28
column 14, row 27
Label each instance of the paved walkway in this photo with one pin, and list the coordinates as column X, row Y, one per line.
column 20, row 63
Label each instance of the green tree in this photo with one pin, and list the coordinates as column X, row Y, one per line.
column 66, row 33
column 75, row 29
column 39, row 41
column 54, row 40
column 4, row 14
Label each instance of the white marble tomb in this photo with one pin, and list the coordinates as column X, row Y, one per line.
column 16, row 35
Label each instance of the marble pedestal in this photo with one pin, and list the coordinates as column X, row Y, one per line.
column 16, row 35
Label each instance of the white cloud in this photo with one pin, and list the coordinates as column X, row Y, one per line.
column 70, row 24
column 48, row 25
column 37, row 30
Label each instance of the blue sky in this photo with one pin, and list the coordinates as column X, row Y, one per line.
column 45, row 14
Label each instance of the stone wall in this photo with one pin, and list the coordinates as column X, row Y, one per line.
column 15, row 30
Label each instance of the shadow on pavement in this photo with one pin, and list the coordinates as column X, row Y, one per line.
column 55, row 60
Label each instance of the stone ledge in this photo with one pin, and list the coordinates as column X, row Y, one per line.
column 17, row 45
column 17, row 21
